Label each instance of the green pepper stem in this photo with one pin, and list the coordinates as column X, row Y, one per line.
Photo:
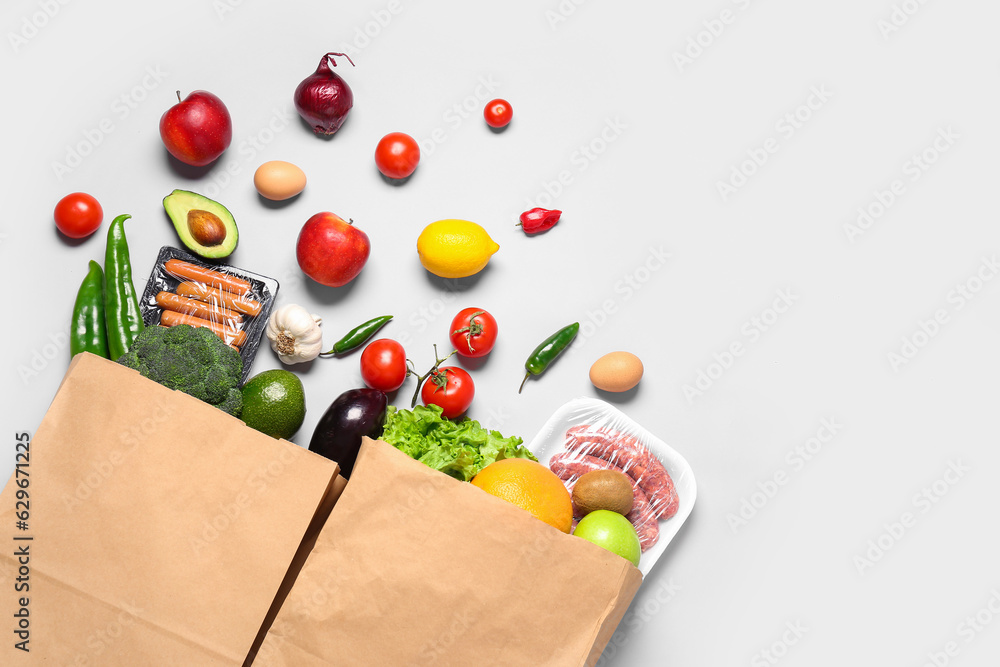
column 526, row 375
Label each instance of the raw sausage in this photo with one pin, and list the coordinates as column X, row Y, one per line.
column 202, row 292
column 188, row 271
column 636, row 460
column 180, row 304
column 169, row 318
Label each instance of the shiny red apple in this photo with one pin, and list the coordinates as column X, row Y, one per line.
column 197, row 129
column 331, row 251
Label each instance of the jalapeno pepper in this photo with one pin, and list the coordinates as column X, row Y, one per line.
column 354, row 338
column 87, row 331
column 121, row 306
column 548, row 350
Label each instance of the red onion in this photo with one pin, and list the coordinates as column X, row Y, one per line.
column 323, row 98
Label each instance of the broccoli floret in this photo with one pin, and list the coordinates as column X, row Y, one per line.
column 190, row 359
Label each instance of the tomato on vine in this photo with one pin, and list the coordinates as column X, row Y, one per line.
column 451, row 388
column 473, row 332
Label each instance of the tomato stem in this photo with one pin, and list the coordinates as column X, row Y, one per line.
column 421, row 378
column 474, row 328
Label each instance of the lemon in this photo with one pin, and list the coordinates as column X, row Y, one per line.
column 455, row 248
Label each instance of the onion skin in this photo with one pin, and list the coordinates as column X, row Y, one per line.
column 324, row 98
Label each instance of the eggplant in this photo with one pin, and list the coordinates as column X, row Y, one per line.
column 353, row 414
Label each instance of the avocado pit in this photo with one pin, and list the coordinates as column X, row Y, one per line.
column 206, row 228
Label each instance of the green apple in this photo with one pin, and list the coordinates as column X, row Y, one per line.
column 613, row 532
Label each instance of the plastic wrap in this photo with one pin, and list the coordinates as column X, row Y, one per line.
column 234, row 303
column 588, row 434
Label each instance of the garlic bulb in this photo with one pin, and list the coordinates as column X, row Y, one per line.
column 295, row 334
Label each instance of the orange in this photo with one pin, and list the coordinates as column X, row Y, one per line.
column 530, row 486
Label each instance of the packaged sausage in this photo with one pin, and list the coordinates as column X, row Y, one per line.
column 588, row 434
column 234, row 303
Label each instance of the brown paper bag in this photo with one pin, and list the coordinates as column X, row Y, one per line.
column 161, row 528
column 416, row 568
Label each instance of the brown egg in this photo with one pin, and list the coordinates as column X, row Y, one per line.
column 616, row 371
column 279, row 180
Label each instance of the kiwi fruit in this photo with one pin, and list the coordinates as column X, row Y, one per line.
column 603, row 490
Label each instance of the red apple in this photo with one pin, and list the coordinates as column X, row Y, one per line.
column 197, row 129
column 331, row 251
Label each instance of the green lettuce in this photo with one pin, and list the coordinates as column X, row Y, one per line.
column 457, row 448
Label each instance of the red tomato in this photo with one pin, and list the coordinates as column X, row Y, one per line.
column 498, row 113
column 78, row 215
column 473, row 332
column 451, row 388
column 397, row 155
column 383, row 365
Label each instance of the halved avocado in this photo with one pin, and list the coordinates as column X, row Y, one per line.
column 205, row 226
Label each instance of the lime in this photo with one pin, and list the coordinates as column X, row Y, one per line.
column 274, row 403
column 611, row 531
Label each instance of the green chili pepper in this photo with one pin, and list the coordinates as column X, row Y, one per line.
column 549, row 349
column 86, row 329
column 354, row 338
column 121, row 306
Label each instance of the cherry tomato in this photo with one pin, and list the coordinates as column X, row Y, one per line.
column 451, row 388
column 498, row 113
column 78, row 215
column 397, row 155
column 383, row 365
column 473, row 332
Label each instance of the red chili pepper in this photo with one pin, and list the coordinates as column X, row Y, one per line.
column 538, row 220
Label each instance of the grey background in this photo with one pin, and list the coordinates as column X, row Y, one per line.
column 892, row 77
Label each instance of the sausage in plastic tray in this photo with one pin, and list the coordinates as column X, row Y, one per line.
column 233, row 303
column 589, row 447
